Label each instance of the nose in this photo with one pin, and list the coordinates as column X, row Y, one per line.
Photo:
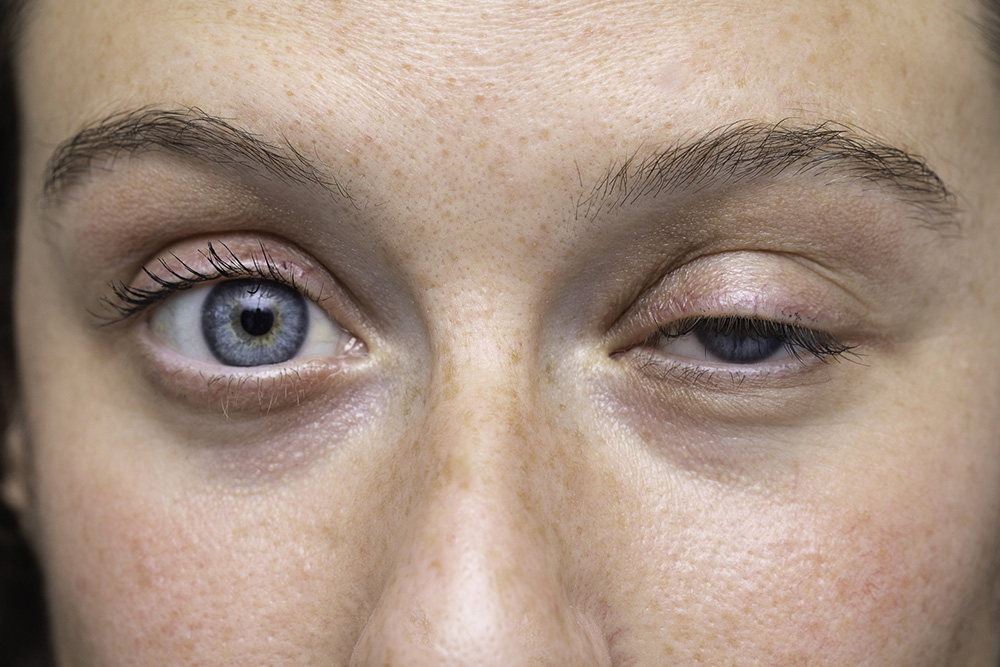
column 477, row 576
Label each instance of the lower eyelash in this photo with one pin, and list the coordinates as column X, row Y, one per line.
column 128, row 300
column 694, row 375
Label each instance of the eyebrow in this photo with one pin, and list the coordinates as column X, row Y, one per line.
column 189, row 133
column 727, row 156
column 749, row 151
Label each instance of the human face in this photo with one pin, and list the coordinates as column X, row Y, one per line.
column 581, row 387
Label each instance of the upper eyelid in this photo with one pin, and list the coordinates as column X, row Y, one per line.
column 128, row 300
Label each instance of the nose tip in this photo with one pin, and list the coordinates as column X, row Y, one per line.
column 475, row 584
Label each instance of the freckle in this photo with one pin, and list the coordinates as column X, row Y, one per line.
column 479, row 99
column 290, row 93
column 231, row 13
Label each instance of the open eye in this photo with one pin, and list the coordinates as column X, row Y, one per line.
column 744, row 341
column 248, row 322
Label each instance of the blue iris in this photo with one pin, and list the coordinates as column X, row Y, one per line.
column 739, row 343
column 254, row 322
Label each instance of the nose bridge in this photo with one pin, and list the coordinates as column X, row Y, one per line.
column 476, row 578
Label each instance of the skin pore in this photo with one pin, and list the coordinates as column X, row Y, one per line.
column 518, row 225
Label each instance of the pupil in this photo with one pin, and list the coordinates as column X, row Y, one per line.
column 257, row 322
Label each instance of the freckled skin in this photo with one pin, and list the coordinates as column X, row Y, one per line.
column 497, row 485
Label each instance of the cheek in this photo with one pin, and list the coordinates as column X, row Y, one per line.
column 145, row 571
column 787, row 594
column 134, row 580
column 894, row 577
column 845, row 586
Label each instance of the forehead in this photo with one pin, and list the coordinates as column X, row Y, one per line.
column 460, row 65
column 426, row 102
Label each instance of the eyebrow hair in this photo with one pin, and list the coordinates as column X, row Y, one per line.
column 190, row 133
column 747, row 151
column 726, row 156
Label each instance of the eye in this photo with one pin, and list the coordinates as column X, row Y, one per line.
column 247, row 322
column 744, row 341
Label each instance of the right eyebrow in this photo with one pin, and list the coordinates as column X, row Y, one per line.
column 190, row 133
column 751, row 151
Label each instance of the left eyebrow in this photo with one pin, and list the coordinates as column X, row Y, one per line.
column 748, row 151
column 188, row 133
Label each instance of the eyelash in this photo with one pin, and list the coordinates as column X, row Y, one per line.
column 795, row 339
column 128, row 300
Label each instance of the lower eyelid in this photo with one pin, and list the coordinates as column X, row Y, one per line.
column 250, row 391
column 785, row 373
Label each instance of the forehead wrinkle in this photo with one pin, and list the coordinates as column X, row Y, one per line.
column 750, row 151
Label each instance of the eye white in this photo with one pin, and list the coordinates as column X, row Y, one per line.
column 177, row 322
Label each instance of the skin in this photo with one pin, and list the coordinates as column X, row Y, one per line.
column 498, row 473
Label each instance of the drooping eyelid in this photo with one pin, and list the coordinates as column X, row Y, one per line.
column 756, row 285
column 651, row 315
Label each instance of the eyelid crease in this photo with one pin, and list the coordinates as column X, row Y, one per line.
column 128, row 300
